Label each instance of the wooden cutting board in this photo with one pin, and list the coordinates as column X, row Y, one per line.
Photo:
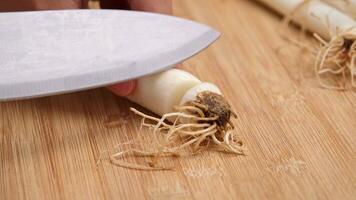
column 301, row 139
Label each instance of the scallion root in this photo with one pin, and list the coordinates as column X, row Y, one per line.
column 335, row 54
column 198, row 125
column 337, row 58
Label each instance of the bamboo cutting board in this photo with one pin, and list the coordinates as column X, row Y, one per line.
column 301, row 139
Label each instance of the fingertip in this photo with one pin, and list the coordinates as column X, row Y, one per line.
column 123, row 89
column 179, row 66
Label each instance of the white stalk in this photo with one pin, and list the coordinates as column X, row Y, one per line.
column 163, row 91
column 318, row 17
column 346, row 6
column 190, row 95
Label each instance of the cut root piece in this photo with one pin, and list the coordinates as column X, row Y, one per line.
column 201, row 124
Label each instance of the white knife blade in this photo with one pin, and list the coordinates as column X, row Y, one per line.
column 50, row 52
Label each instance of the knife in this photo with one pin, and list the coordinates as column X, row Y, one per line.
column 52, row 52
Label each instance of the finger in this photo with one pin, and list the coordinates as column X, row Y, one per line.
column 123, row 89
column 27, row 5
column 115, row 4
column 159, row 6
column 179, row 66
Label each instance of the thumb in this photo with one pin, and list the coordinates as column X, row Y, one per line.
column 158, row 6
column 123, row 89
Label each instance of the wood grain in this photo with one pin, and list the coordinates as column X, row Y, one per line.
column 301, row 138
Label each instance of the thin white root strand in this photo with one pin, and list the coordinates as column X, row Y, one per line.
column 116, row 159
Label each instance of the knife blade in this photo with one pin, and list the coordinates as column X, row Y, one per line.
column 52, row 52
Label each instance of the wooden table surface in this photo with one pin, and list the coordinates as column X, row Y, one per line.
column 301, row 139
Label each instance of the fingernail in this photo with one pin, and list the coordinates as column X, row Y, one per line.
column 123, row 89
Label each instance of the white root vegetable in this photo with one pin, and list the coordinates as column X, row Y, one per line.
column 161, row 92
column 346, row 6
column 199, row 117
column 335, row 31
